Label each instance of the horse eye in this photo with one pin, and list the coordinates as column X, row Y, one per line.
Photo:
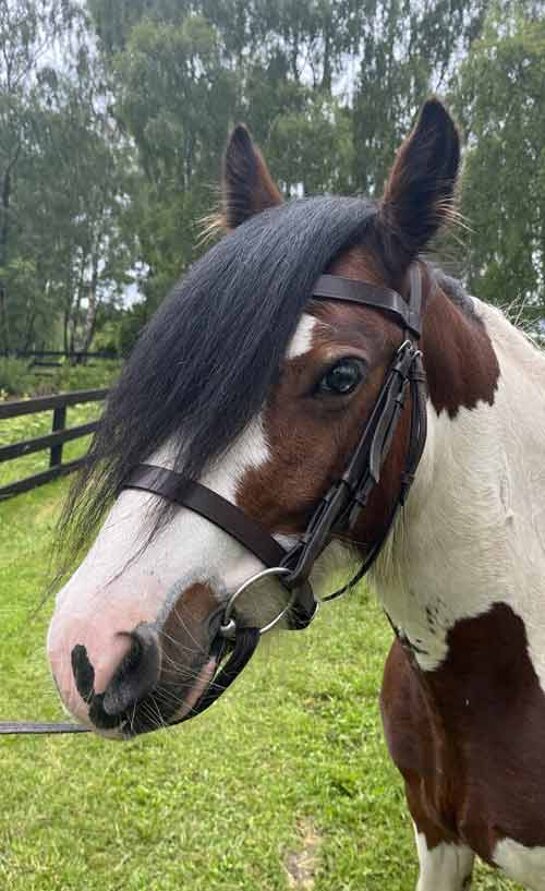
column 342, row 378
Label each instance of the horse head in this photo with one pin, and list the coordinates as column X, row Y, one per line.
column 252, row 385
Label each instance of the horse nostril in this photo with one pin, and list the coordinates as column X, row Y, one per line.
column 137, row 674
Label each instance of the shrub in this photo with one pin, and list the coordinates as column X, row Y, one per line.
column 15, row 378
column 18, row 379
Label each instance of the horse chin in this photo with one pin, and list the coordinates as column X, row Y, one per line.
column 147, row 716
column 202, row 681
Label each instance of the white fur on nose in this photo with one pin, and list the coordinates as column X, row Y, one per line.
column 120, row 584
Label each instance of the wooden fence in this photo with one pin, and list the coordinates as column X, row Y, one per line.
column 53, row 441
column 76, row 356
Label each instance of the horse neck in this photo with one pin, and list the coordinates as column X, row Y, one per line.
column 472, row 534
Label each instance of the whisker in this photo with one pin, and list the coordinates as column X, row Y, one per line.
column 185, row 627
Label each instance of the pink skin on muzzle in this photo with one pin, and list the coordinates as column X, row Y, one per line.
column 102, row 626
column 107, row 641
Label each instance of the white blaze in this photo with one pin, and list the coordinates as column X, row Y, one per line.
column 123, row 582
column 301, row 341
column 126, row 580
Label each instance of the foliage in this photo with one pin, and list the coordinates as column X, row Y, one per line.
column 62, row 180
column 131, row 325
column 15, row 378
column 329, row 90
column 289, row 769
column 19, row 378
column 502, row 105
column 94, row 375
column 113, row 117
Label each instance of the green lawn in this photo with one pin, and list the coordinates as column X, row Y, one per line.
column 285, row 783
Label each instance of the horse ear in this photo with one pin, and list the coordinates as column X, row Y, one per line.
column 247, row 185
column 420, row 193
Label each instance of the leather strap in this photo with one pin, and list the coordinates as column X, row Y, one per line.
column 249, row 532
column 339, row 509
column 246, row 641
column 188, row 493
column 335, row 287
column 416, row 448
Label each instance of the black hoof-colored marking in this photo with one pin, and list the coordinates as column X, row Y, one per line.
column 84, row 673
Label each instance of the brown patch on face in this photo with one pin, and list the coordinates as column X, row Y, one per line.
column 469, row 738
column 312, row 437
column 186, row 634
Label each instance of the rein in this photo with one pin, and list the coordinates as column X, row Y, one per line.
column 337, row 512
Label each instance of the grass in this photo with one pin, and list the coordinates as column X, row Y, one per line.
column 288, row 772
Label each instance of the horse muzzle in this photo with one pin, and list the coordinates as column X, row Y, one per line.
column 128, row 681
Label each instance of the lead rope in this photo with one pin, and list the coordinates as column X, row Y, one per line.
column 35, row 728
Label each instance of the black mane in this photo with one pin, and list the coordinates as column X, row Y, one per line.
column 456, row 293
column 203, row 366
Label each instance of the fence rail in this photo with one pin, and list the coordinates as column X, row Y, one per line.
column 80, row 355
column 53, row 441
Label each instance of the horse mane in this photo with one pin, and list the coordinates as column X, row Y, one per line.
column 456, row 293
column 204, row 364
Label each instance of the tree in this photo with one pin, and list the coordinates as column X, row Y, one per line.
column 61, row 162
column 28, row 29
column 409, row 51
column 500, row 100
column 175, row 99
column 110, row 158
column 77, row 170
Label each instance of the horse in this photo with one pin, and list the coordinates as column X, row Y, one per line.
column 275, row 405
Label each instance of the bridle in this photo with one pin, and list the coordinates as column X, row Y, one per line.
column 337, row 512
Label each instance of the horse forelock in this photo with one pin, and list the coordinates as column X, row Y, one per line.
column 203, row 365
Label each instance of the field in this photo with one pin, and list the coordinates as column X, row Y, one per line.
column 284, row 784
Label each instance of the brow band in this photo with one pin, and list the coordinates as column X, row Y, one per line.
column 335, row 287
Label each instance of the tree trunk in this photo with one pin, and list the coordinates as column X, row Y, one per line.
column 91, row 318
column 327, row 72
column 4, row 235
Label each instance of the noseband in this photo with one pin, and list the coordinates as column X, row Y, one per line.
column 336, row 514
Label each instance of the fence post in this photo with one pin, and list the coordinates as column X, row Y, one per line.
column 59, row 423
